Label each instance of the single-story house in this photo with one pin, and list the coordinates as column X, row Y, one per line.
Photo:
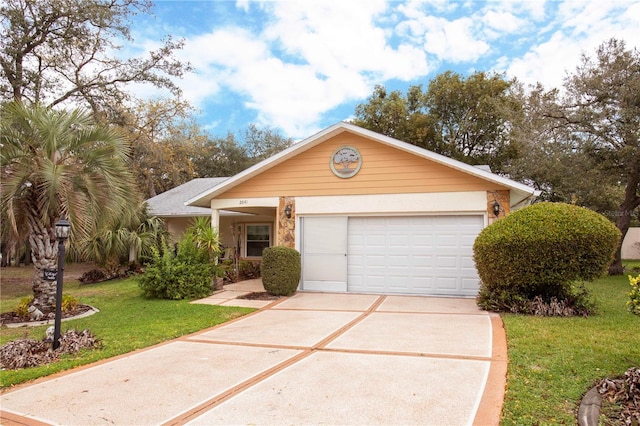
column 367, row 212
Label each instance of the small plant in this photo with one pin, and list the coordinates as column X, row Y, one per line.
column 22, row 308
column 281, row 267
column 69, row 303
column 249, row 270
column 186, row 275
column 634, row 296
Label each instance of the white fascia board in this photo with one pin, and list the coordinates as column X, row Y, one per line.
column 439, row 202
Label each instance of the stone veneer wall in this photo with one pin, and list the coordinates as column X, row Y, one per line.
column 286, row 229
column 504, row 198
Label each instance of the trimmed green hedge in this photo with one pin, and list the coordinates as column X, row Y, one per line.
column 539, row 250
column 280, row 270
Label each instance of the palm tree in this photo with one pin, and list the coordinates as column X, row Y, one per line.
column 207, row 238
column 58, row 163
column 128, row 236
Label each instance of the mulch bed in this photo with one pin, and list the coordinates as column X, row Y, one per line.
column 13, row 318
column 261, row 295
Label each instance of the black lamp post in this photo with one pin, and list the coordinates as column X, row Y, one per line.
column 63, row 228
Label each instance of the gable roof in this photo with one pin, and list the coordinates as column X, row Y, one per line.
column 172, row 202
column 519, row 191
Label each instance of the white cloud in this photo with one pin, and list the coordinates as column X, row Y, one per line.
column 546, row 63
column 452, row 40
column 581, row 28
column 502, row 22
column 311, row 58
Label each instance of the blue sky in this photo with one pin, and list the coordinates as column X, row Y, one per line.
column 300, row 66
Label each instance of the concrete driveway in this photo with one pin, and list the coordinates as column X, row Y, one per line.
column 314, row 358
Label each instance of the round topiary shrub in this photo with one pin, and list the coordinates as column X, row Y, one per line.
column 281, row 267
column 539, row 251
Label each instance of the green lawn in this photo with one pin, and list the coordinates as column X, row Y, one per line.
column 554, row 361
column 126, row 322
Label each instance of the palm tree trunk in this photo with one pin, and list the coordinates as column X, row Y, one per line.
column 44, row 253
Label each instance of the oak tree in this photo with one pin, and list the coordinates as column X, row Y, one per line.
column 55, row 52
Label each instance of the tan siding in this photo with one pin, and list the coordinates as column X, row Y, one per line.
column 385, row 170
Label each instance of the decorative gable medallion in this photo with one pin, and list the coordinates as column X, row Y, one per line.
column 346, row 162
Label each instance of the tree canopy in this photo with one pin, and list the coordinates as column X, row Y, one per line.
column 468, row 119
column 55, row 52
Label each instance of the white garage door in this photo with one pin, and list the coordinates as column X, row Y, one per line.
column 429, row 255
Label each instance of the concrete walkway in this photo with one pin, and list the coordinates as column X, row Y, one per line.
column 313, row 358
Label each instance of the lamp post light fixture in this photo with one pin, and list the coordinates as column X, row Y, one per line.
column 63, row 227
column 287, row 211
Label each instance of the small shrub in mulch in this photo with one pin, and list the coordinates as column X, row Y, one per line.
column 25, row 353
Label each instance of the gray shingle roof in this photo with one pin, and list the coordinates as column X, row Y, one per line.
column 171, row 202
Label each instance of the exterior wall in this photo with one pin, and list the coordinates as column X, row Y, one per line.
column 385, row 170
column 631, row 244
column 503, row 198
column 177, row 225
column 452, row 202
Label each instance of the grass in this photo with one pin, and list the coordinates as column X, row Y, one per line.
column 126, row 322
column 554, row 361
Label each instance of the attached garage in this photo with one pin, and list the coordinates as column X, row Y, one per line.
column 423, row 255
column 371, row 214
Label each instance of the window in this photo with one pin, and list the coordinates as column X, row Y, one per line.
column 258, row 238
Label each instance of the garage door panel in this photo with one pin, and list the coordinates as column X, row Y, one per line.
column 413, row 255
column 397, row 261
column 446, row 283
column 444, row 262
column 324, row 245
column 469, row 285
column 467, row 263
column 375, row 241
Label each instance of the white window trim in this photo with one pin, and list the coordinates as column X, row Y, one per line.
column 245, row 240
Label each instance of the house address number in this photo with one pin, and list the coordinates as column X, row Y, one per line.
column 50, row 274
column 244, row 202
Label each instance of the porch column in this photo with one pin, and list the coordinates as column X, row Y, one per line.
column 215, row 217
column 286, row 226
